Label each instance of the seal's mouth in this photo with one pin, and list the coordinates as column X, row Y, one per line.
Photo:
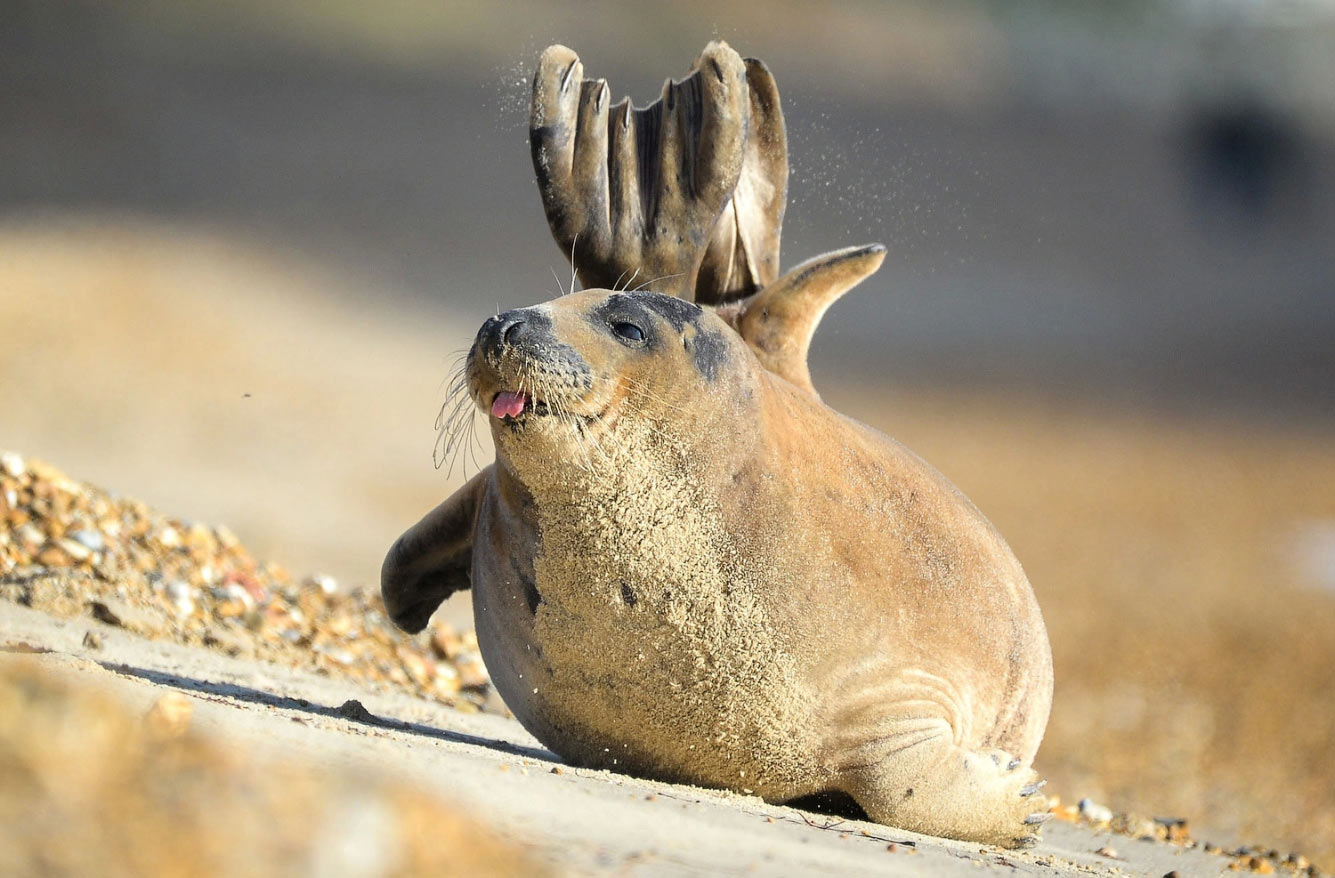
column 509, row 404
column 514, row 404
column 513, row 408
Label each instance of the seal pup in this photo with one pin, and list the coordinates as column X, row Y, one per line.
column 684, row 565
column 803, row 608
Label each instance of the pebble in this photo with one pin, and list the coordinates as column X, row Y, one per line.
column 181, row 597
column 12, row 464
column 76, row 549
column 420, row 668
column 1094, row 812
column 234, row 592
column 197, row 584
column 53, row 556
column 30, row 535
column 354, row 710
column 446, row 642
column 90, row 539
column 472, row 672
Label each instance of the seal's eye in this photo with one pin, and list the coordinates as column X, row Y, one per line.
column 628, row 331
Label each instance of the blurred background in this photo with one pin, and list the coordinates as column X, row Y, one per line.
column 241, row 244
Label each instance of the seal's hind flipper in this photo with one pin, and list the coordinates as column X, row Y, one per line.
column 685, row 195
column 743, row 254
column 431, row 560
column 778, row 321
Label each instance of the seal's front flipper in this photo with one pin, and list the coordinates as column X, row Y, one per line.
column 686, row 194
column 778, row 321
column 431, row 560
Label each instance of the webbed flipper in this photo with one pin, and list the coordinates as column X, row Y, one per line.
column 431, row 560
column 686, row 194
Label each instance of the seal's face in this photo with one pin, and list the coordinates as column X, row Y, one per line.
column 556, row 377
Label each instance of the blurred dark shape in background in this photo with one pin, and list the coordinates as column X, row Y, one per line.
column 1020, row 160
column 1247, row 166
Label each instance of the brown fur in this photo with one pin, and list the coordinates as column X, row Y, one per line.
column 719, row 580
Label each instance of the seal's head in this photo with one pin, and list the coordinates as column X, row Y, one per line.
column 571, row 377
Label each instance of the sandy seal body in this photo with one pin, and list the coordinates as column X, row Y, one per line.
column 685, row 566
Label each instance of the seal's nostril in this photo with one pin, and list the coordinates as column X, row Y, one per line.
column 511, row 332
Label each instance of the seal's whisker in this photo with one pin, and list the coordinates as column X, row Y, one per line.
column 556, row 409
column 629, row 280
column 572, row 423
column 455, row 420
column 474, row 444
column 573, row 273
column 557, row 278
column 654, row 280
column 647, row 415
column 639, row 390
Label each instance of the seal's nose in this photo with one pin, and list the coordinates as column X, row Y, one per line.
column 504, row 330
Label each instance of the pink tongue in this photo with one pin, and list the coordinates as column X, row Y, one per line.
column 508, row 404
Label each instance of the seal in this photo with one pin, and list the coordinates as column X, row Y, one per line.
column 686, row 567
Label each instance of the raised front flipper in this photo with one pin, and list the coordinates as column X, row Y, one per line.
column 687, row 194
column 431, row 560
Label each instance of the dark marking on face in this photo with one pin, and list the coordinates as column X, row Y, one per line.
column 620, row 308
column 709, row 350
column 706, row 345
column 530, row 333
column 628, row 595
column 678, row 312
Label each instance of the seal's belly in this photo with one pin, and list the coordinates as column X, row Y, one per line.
column 659, row 666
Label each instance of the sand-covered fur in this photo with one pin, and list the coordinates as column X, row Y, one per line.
column 687, row 567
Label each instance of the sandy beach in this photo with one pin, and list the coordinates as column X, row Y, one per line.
column 241, row 248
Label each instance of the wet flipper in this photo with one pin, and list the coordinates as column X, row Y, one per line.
column 431, row 560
